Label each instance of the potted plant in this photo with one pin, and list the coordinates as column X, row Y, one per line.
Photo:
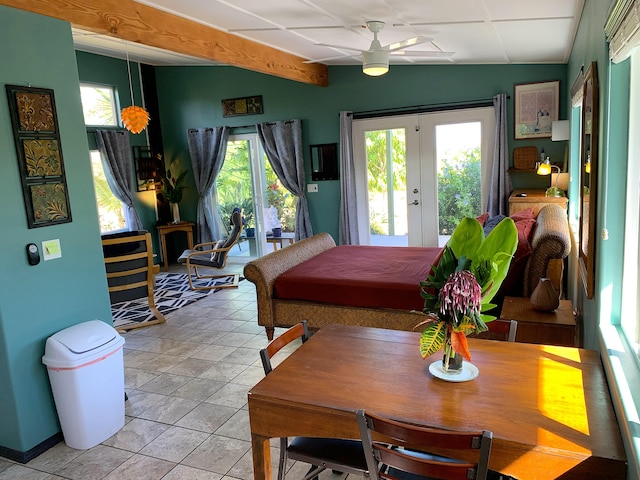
column 248, row 217
column 460, row 287
column 172, row 187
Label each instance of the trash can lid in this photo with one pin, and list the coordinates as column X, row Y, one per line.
column 79, row 342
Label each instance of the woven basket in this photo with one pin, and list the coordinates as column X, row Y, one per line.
column 525, row 158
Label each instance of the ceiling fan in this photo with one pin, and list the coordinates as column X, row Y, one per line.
column 375, row 60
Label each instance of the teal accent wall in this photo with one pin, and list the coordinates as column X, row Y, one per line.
column 37, row 301
column 590, row 46
column 191, row 98
column 112, row 72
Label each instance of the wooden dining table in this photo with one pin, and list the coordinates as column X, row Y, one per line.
column 549, row 407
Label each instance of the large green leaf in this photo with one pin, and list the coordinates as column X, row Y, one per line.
column 498, row 248
column 466, row 238
column 432, row 339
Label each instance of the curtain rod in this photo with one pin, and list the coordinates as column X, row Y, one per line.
column 435, row 107
column 254, row 124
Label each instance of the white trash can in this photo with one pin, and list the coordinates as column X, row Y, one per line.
column 86, row 371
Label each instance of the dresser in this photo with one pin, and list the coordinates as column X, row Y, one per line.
column 533, row 198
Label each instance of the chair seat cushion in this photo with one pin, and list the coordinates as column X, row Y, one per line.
column 338, row 451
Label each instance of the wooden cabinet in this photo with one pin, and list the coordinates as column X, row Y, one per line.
column 547, row 328
column 535, row 198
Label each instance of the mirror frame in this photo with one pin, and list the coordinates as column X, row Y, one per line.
column 588, row 178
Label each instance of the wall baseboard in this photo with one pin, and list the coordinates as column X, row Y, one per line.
column 24, row 457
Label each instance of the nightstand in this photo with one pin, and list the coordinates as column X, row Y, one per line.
column 547, row 328
column 535, row 198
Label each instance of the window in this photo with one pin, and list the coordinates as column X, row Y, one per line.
column 630, row 321
column 99, row 105
column 110, row 209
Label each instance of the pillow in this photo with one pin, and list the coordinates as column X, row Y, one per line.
column 491, row 223
column 526, row 214
column 483, row 218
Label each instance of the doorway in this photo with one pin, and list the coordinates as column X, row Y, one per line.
column 248, row 181
column 419, row 175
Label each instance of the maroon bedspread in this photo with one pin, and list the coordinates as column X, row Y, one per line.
column 360, row 276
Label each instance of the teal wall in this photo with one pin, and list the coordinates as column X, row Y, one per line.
column 112, row 72
column 37, row 301
column 191, row 97
column 590, row 46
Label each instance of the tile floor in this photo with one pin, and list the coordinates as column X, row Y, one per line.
column 186, row 417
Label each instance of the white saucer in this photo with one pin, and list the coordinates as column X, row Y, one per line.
column 469, row 372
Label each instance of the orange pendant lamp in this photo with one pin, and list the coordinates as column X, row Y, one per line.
column 134, row 118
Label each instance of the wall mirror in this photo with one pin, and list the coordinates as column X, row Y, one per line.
column 324, row 161
column 588, row 178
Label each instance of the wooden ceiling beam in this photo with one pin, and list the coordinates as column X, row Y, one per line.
column 135, row 22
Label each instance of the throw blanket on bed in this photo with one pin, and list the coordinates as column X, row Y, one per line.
column 360, row 276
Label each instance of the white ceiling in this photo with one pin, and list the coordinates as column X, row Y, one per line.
column 477, row 31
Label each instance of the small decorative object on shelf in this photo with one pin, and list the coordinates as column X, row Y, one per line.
column 460, row 287
column 544, row 297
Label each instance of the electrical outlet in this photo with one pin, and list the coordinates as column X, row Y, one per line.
column 312, row 187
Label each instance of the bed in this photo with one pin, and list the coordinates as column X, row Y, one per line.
column 317, row 281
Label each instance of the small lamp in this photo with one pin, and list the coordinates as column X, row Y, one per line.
column 545, row 168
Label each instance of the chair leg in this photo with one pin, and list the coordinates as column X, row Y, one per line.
column 282, row 465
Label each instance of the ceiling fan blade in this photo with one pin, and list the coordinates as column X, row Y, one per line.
column 409, row 42
column 418, row 53
column 338, row 46
column 320, row 60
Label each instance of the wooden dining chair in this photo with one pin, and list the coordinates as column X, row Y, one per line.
column 499, row 329
column 339, row 455
column 402, row 453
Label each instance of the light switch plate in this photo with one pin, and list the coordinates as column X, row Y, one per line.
column 51, row 249
column 312, row 187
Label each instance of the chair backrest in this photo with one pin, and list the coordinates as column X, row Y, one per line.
column 220, row 258
column 499, row 329
column 299, row 330
column 128, row 258
column 404, row 449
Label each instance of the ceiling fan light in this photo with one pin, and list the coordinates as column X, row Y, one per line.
column 375, row 63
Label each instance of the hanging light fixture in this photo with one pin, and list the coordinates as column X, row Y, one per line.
column 135, row 119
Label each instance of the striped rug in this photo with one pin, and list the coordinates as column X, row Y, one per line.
column 172, row 291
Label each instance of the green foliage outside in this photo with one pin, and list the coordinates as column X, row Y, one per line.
column 459, row 186
column 110, row 212
column 381, row 145
column 459, row 189
column 234, row 186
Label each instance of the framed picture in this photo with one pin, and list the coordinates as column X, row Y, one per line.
column 234, row 107
column 536, row 106
column 37, row 141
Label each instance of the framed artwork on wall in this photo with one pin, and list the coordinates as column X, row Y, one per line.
column 37, row 141
column 536, row 107
column 234, row 107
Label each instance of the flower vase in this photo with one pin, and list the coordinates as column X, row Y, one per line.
column 545, row 297
column 175, row 212
column 451, row 360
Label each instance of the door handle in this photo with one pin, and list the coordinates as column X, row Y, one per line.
column 415, row 202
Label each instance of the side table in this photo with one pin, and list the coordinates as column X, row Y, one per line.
column 164, row 230
column 547, row 328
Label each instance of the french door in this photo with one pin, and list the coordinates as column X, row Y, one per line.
column 242, row 183
column 418, row 175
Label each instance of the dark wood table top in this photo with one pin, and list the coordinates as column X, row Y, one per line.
column 548, row 407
